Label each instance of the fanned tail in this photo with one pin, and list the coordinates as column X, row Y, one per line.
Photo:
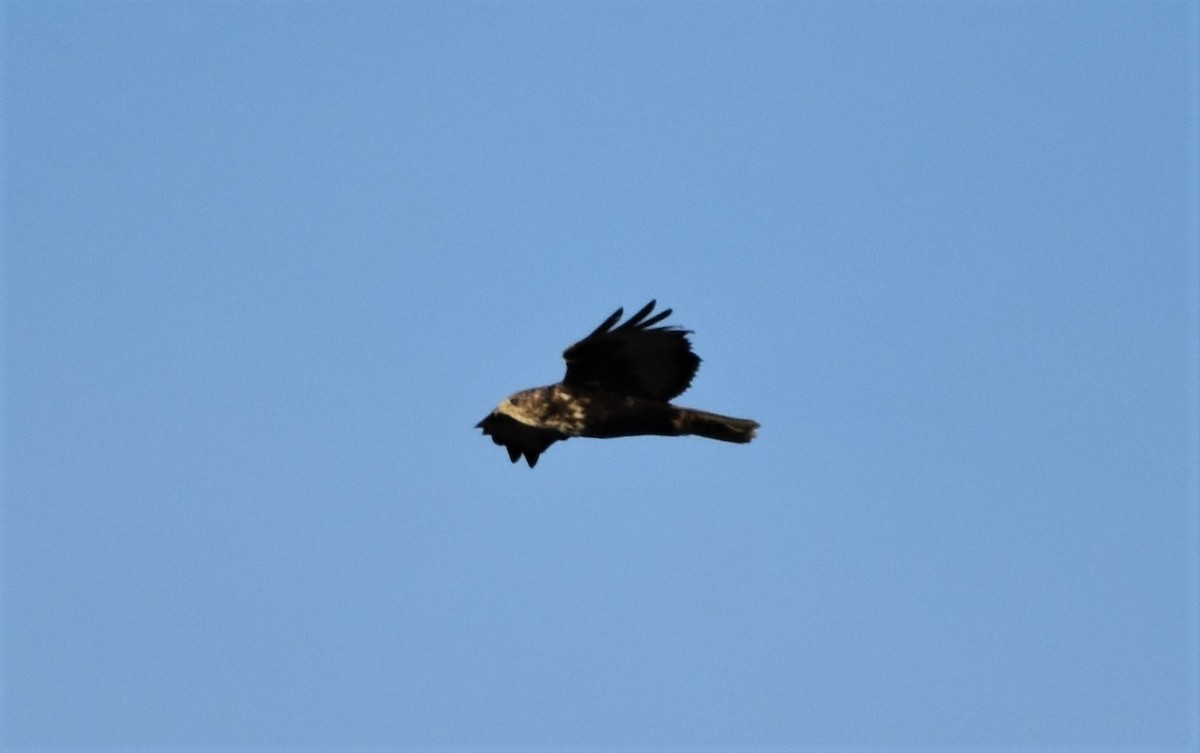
column 715, row 426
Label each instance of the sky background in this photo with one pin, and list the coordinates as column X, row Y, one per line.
column 265, row 264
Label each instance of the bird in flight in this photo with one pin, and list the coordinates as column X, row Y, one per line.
column 619, row 383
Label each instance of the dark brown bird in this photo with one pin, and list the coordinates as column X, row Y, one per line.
column 619, row 383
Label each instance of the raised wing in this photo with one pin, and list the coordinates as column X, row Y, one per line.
column 634, row 358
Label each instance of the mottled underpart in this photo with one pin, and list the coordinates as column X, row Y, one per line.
column 582, row 412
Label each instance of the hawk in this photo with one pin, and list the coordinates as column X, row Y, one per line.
column 619, row 383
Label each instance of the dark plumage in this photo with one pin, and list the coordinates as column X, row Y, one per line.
column 619, row 383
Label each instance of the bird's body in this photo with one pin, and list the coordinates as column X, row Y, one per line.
column 587, row 412
column 618, row 384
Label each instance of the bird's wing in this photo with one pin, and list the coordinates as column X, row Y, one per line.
column 634, row 358
column 518, row 438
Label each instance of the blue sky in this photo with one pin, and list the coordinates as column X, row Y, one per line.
column 266, row 264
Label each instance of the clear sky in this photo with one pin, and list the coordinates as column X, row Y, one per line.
column 265, row 264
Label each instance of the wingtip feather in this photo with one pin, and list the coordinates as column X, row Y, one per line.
column 656, row 318
column 609, row 322
column 636, row 319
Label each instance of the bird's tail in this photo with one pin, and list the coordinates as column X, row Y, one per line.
column 715, row 426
